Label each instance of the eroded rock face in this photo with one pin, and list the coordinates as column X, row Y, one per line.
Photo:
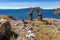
column 5, row 28
column 57, row 11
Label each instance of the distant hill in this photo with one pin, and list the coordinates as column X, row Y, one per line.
column 31, row 8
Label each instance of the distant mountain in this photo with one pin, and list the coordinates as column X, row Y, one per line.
column 31, row 8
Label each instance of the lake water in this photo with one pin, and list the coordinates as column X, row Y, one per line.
column 23, row 14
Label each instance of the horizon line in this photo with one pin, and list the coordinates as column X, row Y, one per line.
column 27, row 7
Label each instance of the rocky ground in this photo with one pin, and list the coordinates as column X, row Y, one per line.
column 47, row 29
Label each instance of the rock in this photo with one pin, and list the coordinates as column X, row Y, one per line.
column 30, row 35
column 36, row 29
column 6, row 17
column 24, row 22
column 57, row 11
column 45, row 22
column 5, row 27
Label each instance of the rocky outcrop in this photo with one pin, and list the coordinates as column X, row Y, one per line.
column 24, row 32
column 30, row 15
column 6, row 32
column 6, row 17
column 15, row 30
column 5, row 29
column 47, row 29
column 57, row 11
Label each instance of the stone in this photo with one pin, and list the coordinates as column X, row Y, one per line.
column 5, row 28
column 7, row 17
column 39, row 15
column 45, row 22
column 30, row 16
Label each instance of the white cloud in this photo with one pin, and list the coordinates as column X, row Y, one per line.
column 45, row 5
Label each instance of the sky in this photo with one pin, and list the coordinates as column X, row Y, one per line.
column 18, row 4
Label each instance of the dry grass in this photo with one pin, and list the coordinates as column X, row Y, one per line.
column 42, row 31
column 47, row 32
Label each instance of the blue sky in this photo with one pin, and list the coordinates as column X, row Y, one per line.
column 17, row 4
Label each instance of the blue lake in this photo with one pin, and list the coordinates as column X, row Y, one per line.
column 23, row 14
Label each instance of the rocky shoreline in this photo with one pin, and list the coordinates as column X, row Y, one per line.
column 57, row 11
column 47, row 29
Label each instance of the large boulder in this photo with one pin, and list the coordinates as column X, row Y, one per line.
column 5, row 28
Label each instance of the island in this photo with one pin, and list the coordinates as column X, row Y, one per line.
column 57, row 11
